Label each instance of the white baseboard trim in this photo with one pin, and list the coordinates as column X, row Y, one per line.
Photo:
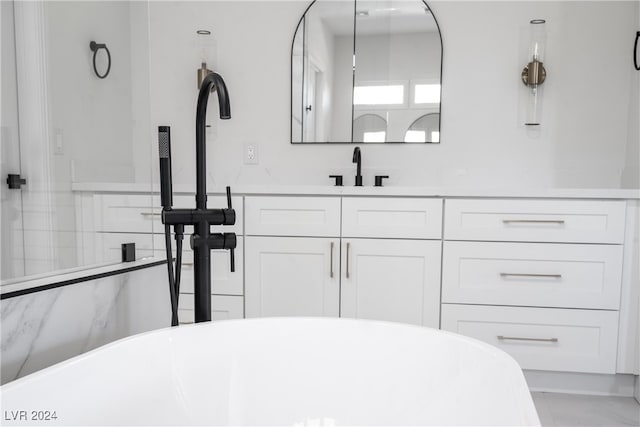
column 580, row 383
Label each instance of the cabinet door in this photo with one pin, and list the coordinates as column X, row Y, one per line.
column 394, row 280
column 223, row 281
column 291, row 276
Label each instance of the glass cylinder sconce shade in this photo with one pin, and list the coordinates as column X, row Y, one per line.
column 534, row 74
column 203, row 40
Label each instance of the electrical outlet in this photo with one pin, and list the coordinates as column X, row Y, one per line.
column 250, row 154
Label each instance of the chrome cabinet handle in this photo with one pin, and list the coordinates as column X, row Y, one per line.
column 503, row 338
column 534, row 221
column 331, row 262
column 552, row 276
column 348, row 245
column 150, row 213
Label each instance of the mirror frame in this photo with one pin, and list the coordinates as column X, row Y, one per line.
column 352, row 118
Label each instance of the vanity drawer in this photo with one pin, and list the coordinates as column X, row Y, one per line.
column 392, row 218
column 126, row 213
column 223, row 307
column 188, row 201
column 139, row 213
column 547, row 339
column 532, row 274
column 293, row 216
column 579, row 221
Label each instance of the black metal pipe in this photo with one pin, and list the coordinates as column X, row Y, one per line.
column 201, row 249
column 211, row 80
column 357, row 158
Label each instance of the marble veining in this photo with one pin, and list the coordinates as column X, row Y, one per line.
column 47, row 327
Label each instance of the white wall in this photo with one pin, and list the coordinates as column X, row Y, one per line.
column 102, row 124
column 631, row 172
column 582, row 143
column 93, row 116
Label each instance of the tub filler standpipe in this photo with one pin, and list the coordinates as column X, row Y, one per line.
column 201, row 218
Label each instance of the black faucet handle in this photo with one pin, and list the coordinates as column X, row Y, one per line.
column 229, row 197
column 230, row 242
column 338, row 179
column 379, row 178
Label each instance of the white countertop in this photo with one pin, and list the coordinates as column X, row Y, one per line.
column 388, row 191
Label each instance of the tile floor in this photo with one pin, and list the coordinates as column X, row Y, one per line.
column 556, row 409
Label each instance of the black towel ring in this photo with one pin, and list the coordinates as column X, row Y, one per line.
column 95, row 47
column 635, row 52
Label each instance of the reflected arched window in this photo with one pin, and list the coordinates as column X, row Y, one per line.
column 425, row 129
column 369, row 128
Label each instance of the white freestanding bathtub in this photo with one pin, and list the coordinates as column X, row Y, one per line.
column 279, row 371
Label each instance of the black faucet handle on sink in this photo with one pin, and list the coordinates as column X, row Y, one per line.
column 338, row 179
column 379, row 178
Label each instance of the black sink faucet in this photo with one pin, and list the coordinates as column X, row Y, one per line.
column 201, row 218
column 357, row 158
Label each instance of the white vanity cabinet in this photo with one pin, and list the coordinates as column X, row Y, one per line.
column 292, row 256
column 391, row 259
column 110, row 219
column 390, row 279
column 377, row 263
column 292, row 276
column 540, row 279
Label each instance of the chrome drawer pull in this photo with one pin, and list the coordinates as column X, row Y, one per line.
column 150, row 213
column 534, row 221
column 331, row 262
column 502, row 338
column 348, row 245
column 551, row 276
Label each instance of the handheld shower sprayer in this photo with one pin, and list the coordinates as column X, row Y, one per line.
column 164, row 150
column 166, row 200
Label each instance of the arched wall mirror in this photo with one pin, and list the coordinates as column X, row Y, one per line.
column 364, row 58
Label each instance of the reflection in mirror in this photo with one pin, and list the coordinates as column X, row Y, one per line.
column 363, row 57
column 369, row 128
column 425, row 129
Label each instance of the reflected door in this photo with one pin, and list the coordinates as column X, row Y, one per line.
column 27, row 221
column 11, row 207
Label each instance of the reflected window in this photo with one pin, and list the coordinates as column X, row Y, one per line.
column 378, row 95
column 426, row 94
column 375, row 136
column 369, row 128
column 425, row 129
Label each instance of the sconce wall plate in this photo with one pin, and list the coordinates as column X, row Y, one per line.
column 534, row 73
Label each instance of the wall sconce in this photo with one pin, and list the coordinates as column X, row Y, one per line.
column 534, row 74
column 203, row 36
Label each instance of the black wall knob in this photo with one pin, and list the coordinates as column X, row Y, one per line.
column 338, row 179
column 379, row 178
column 14, row 181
